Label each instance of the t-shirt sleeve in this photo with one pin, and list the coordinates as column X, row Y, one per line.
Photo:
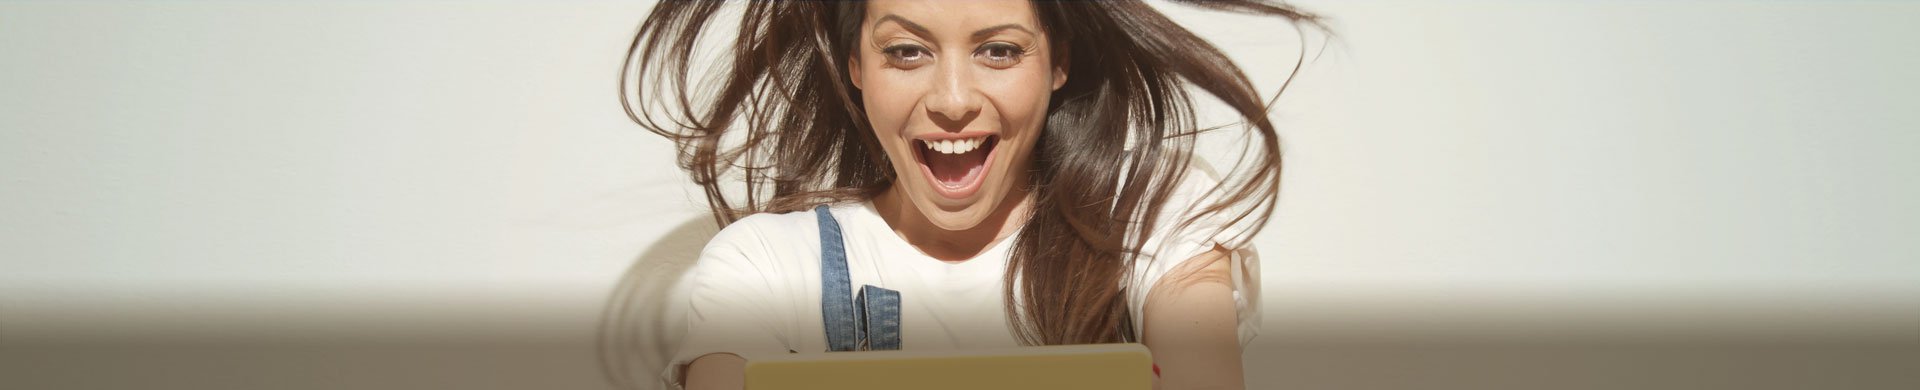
column 1169, row 247
column 735, row 304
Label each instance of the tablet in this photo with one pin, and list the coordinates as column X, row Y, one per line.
column 1090, row 366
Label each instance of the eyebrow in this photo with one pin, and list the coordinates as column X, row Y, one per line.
column 916, row 28
column 923, row 31
column 989, row 31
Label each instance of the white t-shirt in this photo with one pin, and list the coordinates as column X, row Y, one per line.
column 756, row 287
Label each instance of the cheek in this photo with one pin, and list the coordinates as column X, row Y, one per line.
column 1021, row 99
column 889, row 105
column 889, row 102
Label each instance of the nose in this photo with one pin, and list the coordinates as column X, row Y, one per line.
column 954, row 99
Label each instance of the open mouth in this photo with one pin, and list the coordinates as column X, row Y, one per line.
column 956, row 166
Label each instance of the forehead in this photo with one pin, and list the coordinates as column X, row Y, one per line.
column 956, row 14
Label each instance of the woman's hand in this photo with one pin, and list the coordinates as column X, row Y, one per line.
column 1192, row 327
column 717, row 371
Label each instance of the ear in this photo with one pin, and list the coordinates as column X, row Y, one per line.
column 1060, row 68
column 853, row 69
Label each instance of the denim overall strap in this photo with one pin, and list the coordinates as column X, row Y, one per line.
column 836, row 286
column 869, row 321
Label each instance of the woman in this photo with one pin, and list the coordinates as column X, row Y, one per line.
column 981, row 174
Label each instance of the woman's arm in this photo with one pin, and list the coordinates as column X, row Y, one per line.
column 740, row 302
column 717, row 371
column 1191, row 325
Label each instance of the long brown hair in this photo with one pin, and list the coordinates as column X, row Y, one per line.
column 783, row 130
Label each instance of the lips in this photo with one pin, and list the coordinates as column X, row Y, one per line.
column 956, row 166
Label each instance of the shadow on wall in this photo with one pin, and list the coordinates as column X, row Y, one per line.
column 644, row 317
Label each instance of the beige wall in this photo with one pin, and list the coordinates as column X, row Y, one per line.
column 1586, row 194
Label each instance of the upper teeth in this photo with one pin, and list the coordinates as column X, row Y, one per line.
column 956, row 146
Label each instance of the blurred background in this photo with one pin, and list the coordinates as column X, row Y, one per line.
column 439, row 194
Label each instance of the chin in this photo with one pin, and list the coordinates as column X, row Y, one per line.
column 964, row 217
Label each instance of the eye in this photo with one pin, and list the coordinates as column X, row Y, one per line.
column 907, row 55
column 1001, row 54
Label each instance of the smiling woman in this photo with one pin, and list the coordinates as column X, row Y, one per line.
column 955, row 124
column 952, row 152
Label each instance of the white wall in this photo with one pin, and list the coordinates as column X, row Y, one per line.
column 437, row 193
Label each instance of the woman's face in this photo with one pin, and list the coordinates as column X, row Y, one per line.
column 956, row 92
